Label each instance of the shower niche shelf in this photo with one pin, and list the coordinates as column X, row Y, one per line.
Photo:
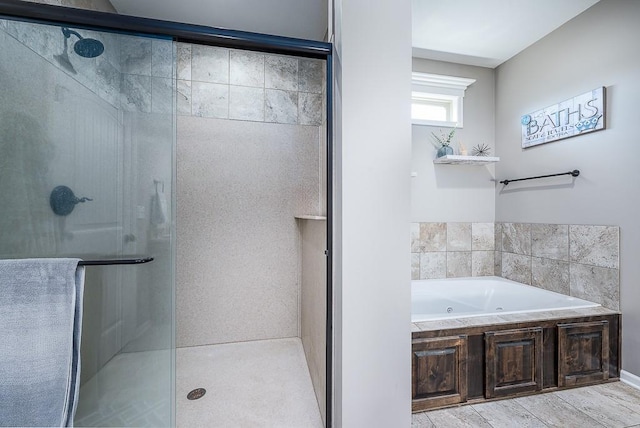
column 466, row 160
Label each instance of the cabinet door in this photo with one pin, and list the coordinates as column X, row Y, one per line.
column 513, row 361
column 439, row 372
column 583, row 353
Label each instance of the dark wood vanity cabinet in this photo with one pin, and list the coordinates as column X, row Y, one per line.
column 473, row 364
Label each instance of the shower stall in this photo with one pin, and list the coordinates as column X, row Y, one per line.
column 86, row 168
column 113, row 130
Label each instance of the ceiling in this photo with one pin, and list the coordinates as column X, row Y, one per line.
column 304, row 19
column 488, row 32
column 476, row 32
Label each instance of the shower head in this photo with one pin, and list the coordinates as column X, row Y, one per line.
column 88, row 48
column 85, row 47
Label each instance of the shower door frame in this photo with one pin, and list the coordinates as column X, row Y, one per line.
column 198, row 34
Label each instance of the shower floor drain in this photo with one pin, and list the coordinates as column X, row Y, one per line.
column 196, row 393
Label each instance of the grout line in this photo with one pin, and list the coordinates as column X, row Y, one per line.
column 569, row 257
column 616, row 399
column 237, row 342
column 529, row 412
column 530, row 255
column 481, row 417
column 434, row 425
column 577, row 409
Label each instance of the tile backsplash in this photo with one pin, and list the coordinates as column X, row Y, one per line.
column 577, row 260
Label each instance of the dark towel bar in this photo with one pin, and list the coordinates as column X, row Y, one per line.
column 115, row 262
column 573, row 173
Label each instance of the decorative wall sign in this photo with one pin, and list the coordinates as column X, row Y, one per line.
column 576, row 116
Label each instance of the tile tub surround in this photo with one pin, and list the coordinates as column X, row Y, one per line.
column 576, row 260
column 241, row 85
column 452, row 250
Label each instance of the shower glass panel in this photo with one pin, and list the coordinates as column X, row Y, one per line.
column 95, row 112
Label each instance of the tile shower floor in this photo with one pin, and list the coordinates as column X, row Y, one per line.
column 249, row 384
column 609, row 405
column 130, row 391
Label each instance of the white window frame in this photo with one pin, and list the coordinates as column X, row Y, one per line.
column 440, row 89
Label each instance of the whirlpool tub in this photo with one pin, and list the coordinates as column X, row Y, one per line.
column 436, row 299
column 476, row 339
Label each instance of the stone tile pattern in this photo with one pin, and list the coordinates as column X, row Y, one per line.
column 576, row 260
column 451, row 250
column 133, row 74
column 137, row 74
column 241, row 85
column 608, row 405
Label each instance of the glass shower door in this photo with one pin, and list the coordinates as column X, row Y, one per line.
column 93, row 113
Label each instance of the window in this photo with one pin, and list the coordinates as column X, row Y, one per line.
column 437, row 100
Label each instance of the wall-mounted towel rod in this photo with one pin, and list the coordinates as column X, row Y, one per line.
column 573, row 173
column 115, row 262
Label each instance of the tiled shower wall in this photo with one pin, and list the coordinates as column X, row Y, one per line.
column 576, row 260
column 235, row 84
column 99, row 5
column 100, row 75
column 136, row 74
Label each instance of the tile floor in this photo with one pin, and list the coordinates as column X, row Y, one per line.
column 267, row 384
column 249, row 384
column 609, row 405
column 131, row 390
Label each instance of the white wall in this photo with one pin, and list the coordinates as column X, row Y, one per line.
column 597, row 48
column 239, row 186
column 248, row 156
column 456, row 193
column 373, row 155
column 313, row 307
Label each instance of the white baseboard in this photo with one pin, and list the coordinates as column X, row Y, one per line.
column 630, row 379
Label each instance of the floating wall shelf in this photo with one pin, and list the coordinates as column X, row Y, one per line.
column 466, row 160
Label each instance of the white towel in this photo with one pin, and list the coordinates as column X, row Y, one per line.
column 40, row 327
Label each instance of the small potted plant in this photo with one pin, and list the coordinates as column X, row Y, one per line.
column 443, row 143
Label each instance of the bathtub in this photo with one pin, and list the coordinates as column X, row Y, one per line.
column 436, row 299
